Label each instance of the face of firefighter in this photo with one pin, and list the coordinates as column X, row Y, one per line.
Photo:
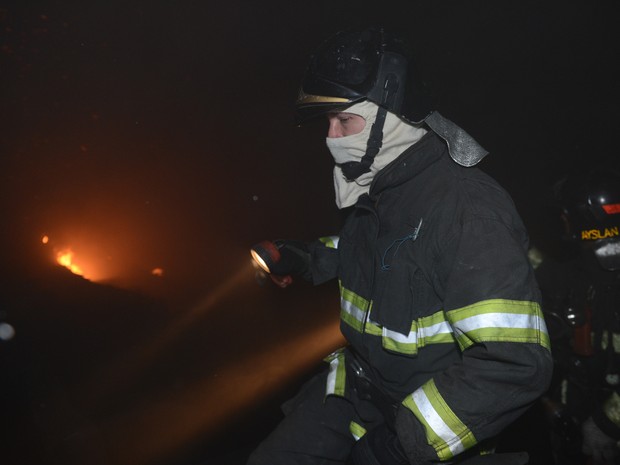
column 342, row 124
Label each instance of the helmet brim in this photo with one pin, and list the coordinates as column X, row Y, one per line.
column 309, row 107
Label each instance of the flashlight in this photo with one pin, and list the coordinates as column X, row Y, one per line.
column 266, row 254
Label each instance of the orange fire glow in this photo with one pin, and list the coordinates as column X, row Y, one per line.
column 79, row 259
column 65, row 258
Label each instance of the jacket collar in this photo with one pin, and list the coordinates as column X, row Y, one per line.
column 409, row 164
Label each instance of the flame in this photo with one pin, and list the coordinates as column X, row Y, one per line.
column 65, row 258
column 97, row 260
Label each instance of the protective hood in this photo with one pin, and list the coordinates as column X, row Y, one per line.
column 398, row 135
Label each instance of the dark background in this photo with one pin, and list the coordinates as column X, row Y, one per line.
column 160, row 134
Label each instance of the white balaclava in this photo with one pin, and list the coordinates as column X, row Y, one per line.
column 398, row 135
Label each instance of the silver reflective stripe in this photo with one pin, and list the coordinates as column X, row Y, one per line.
column 352, row 309
column 336, row 375
column 330, row 241
column 433, row 329
column 428, row 332
column 445, row 432
column 436, row 423
column 411, row 338
column 331, row 377
column 499, row 320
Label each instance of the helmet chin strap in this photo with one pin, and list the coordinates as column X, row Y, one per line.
column 354, row 169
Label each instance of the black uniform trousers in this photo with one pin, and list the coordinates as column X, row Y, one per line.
column 315, row 430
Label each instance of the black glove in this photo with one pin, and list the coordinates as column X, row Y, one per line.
column 294, row 259
column 379, row 446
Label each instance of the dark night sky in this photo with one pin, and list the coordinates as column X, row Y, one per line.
column 159, row 134
column 147, row 134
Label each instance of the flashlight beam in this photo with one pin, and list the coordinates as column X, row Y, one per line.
column 122, row 372
column 211, row 402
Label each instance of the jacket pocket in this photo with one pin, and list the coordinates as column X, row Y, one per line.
column 394, row 302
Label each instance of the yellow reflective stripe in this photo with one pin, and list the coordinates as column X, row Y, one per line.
column 397, row 342
column 353, row 298
column 400, row 343
column 336, row 377
column 373, row 328
column 352, row 308
column 444, row 431
column 330, row 241
column 351, row 314
column 356, row 430
column 433, row 329
column 499, row 320
column 496, row 320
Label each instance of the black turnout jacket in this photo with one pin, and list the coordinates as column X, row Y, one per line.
column 438, row 301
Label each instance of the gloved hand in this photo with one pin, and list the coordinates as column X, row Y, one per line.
column 294, row 259
column 596, row 443
column 379, row 446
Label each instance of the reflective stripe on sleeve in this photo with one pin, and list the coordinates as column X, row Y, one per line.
column 330, row 241
column 356, row 430
column 433, row 329
column 336, row 377
column 499, row 320
column 352, row 308
column 496, row 320
column 444, row 431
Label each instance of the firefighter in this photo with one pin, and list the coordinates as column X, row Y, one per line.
column 581, row 301
column 446, row 340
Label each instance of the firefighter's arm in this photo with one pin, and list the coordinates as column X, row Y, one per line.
column 317, row 261
column 281, row 259
column 492, row 304
column 472, row 401
column 325, row 261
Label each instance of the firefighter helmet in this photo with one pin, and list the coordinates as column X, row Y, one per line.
column 591, row 209
column 359, row 64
